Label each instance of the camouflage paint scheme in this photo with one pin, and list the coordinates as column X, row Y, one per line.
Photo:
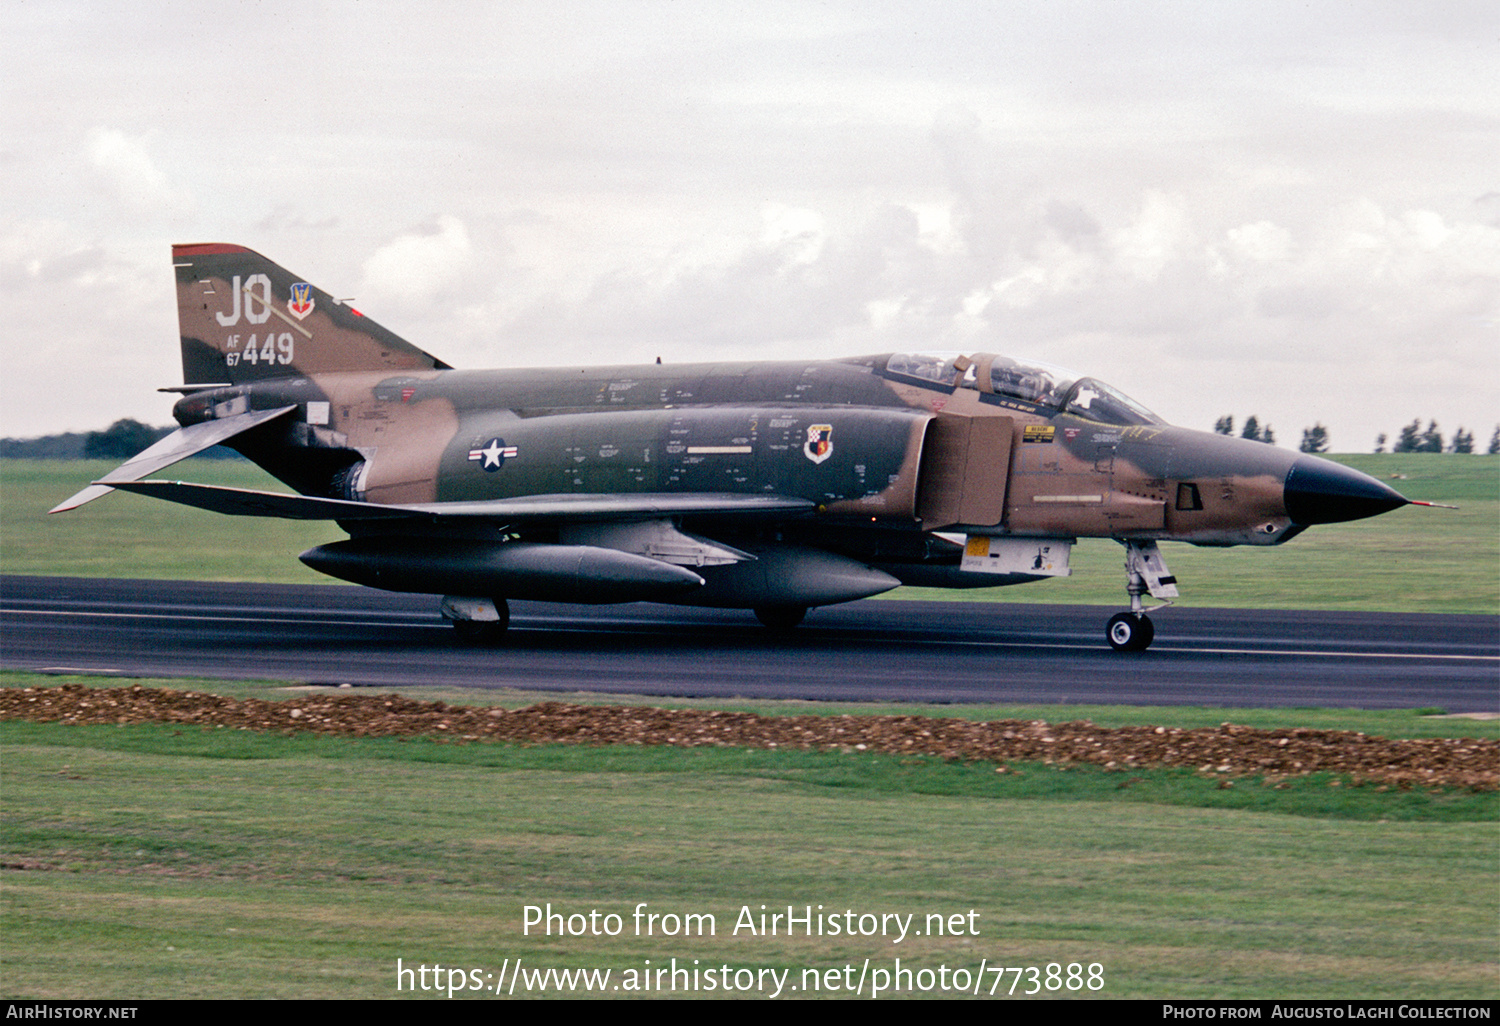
column 773, row 486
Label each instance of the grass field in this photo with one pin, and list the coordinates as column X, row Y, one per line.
column 125, row 535
column 151, row 861
column 1414, row 559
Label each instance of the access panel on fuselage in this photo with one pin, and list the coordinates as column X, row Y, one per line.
column 1070, row 478
column 965, row 463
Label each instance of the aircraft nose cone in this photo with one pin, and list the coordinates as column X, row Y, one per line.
column 1323, row 492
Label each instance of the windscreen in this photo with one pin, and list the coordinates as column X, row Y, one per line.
column 938, row 367
column 1033, row 382
column 1092, row 399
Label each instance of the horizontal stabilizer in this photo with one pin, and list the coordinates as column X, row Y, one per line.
column 565, row 508
column 179, row 445
column 245, row 502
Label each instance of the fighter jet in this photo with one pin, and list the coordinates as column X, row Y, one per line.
column 775, row 487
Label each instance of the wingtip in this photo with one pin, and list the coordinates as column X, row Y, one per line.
column 88, row 495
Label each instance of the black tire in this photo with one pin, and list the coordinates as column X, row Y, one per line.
column 780, row 618
column 484, row 632
column 1130, row 633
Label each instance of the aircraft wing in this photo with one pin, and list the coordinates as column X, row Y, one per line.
column 179, row 445
column 562, row 508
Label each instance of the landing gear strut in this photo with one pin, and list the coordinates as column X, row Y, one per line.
column 476, row 621
column 1145, row 572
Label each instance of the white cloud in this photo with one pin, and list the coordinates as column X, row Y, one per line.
column 1261, row 242
column 1206, row 195
column 798, row 235
column 123, row 164
column 90, row 335
column 420, row 267
column 1159, row 235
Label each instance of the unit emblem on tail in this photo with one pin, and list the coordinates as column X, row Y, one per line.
column 301, row 304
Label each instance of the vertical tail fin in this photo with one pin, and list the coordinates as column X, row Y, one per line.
column 243, row 318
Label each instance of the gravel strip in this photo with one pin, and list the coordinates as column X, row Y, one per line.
column 1227, row 750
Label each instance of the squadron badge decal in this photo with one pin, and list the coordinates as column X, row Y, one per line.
column 819, row 444
column 301, row 301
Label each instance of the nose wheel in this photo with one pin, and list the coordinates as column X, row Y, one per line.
column 1145, row 573
column 1130, row 632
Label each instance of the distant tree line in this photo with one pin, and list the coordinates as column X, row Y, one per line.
column 1252, row 429
column 1314, row 439
column 1412, row 438
column 120, row 441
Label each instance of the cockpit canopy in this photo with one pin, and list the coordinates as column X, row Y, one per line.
column 1042, row 386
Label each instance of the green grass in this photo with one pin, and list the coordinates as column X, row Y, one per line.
column 167, row 863
column 124, row 535
column 1432, row 477
column 1411, row 560
column 1323, row 794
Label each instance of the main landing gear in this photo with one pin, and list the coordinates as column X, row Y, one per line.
column 1145, row 572
column 476, row 621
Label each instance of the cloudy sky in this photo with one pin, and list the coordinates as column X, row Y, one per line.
column 1283, row 209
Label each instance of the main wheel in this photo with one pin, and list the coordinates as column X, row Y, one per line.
column 484, row 632
column 1130, row 633
column 780, row 618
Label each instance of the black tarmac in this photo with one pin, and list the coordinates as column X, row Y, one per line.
column 882, row 650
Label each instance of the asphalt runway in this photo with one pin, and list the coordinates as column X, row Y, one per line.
column 871, row 650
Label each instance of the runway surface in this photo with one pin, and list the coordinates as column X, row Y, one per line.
column 871, row 650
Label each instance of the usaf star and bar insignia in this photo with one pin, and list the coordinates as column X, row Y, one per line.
column 493, row 456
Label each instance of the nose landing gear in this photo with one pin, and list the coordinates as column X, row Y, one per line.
column 1130, row 632
column 1145, row 572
